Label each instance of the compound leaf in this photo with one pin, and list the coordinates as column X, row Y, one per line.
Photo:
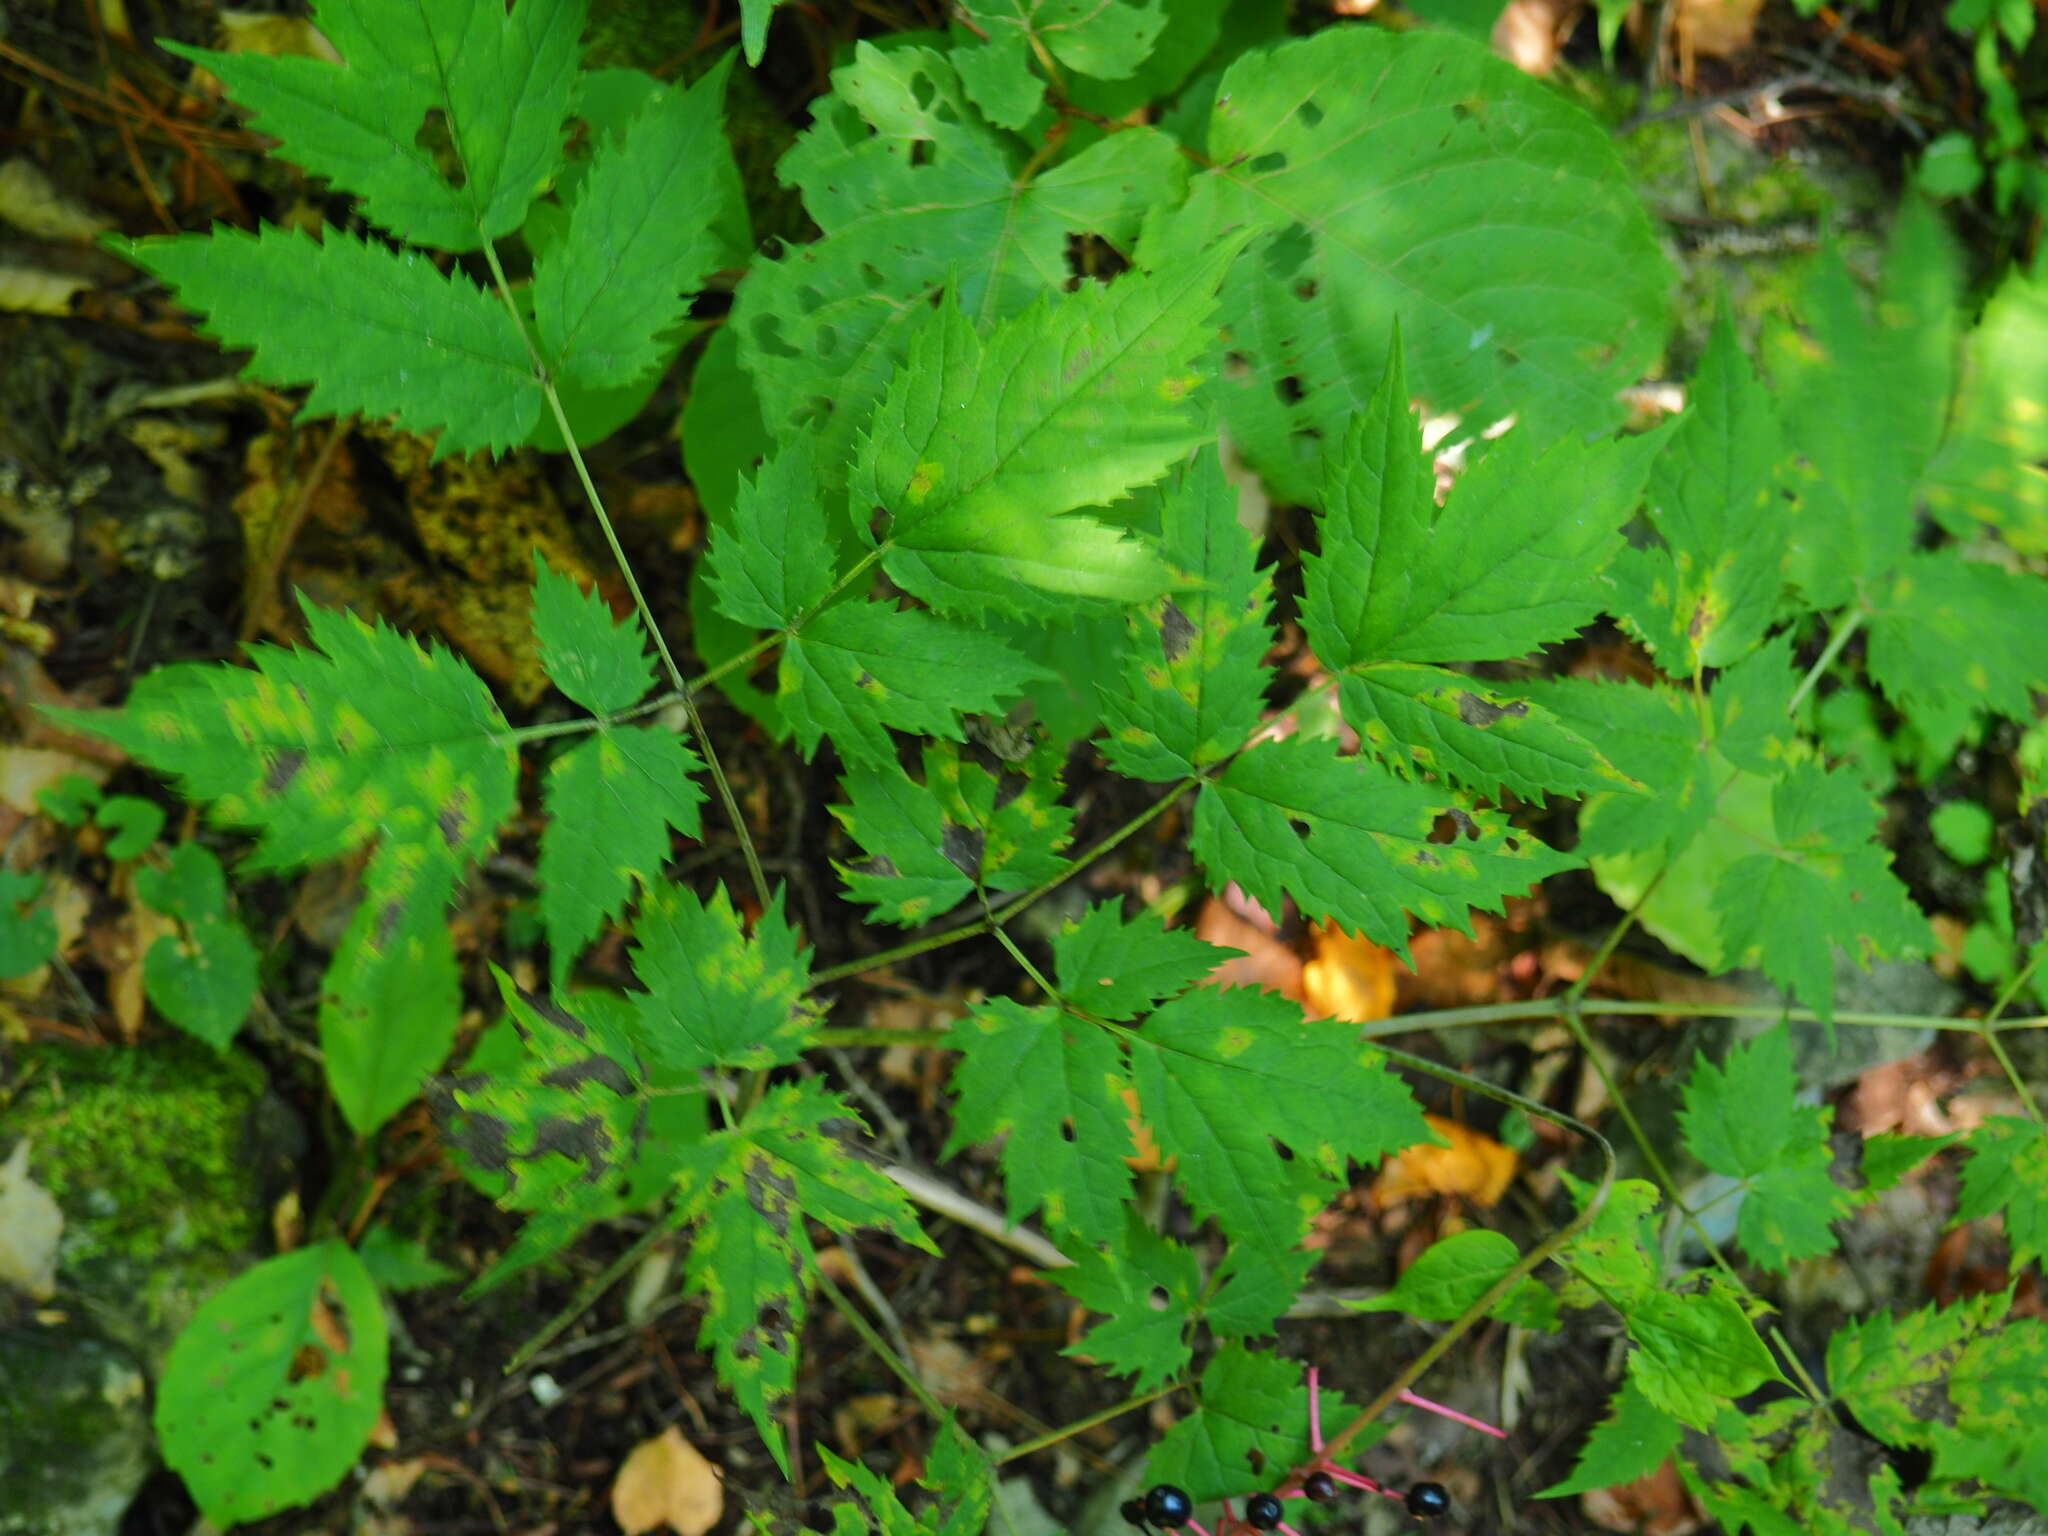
column 1051, row 1085
column 1148, row 1289
column 1894, row 1373
column 773, row 558
column 861, row 666
column 592, row 657
column 1193, row 684
column 1107, row 39
column 1221, row 1077
column 1253, row 1415
column 642, row 235
column 498, row 82
column 2007, row 1175
column 1631, row 1442
column 717, row 997
column 1116, row 970
column 1942, row 626
column 1356, row 846
column 610, row 800
column 391, row 335
column 271, row 1391
column 1742, row 1119
column 980, row 445
column 1417, row 175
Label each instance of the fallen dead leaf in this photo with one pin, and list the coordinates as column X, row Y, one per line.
column 30, row 201
column 1267, row 963
column 1530, row 33
column 1716, row 29
column 1474, row 1165
column 30, row 1226
column 1656, row 1505
column 954, row 1376
column 1350, row 978
column 667, row 1482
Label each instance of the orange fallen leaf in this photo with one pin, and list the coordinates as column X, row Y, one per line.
column 1473, row 1165
column 1716, row 29
column 667, row 1481
column 1351, row 978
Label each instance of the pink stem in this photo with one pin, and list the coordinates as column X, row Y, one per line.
column 1294, row 1493
column 1196, row 1528
column 1354, row 1479
column 1315, row 1414
column 1453, row 1415
column 1287, row 1530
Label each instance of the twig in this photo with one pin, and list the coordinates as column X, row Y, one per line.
column 942, row 1198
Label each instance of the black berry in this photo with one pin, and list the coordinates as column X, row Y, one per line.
column 1262, row 1511
column 1168, row 1506
column 1134, row 1511
column 1320, row 1486
column 1427, row 1499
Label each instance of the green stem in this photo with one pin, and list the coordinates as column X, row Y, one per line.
column 1844, row 629
column 880, row 1346
column 1101, row 1416
column 587, row 1298
column 1988, row 1029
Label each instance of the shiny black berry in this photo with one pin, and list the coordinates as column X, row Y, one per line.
column 1320, row 1486
column 1134, row 1511
column 1168, row 1506
column 1428, row 1499
column 1262, row 1511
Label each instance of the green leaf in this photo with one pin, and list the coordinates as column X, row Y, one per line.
column 979, row 446
column 1052, row 1086
column 1116, row 970
column 1509, row 563
column 1354, row 845
column 915, row 196
column 642, row 235
column 498, row 83
column 2007, row 1176
column 864, row 665
column 1453, row 1273
column 398, row 1263
column 1418, row 176
column 595, row 659
column 1222, row 1076
column 1611, row 1258
column 611, row 800
column 1894, row 1373
column 2000, row 1406
column 1825, row 874
column 1253, row 1417
column 996, row 73
column 754, row 16
column 1193, row 683
column 1705, row 595
column 965, row 828
column 1107, row 39
column 271, row 1391
column 204, row 979
column 1694, row 1351
column 70, row 801
column 132, row 822
column 1653, row 736
column 772, row 559
column 958, row 1472
column 1252, row 1290
column 1743, row 1119
column 1990, row 466
column 191, row 885
column 28, row 933
column 1631, row 1442
column 1963, row 830
column 1943, row 628
column 1888, row 1158
column 1148, row 1290
column 751, row 1191
column 396, row 338
column 717, row 997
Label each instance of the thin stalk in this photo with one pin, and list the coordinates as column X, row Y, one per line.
column 1843, row 630
column 1100, row 1416
column 587, row 1298
column 881, row 1347
column 1988, row 1030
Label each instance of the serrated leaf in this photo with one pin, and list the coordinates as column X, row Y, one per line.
column 1694, row 1352
column 2007, row 1176
column 1221, row 1077
column 1888, row 1158
column 271, row 1391
column 1704, row 597
column 2001, row 1396
column 1427, row 720
column 1418, row 176
column 996, row 72
column 965, row 828
column 595, row 659
column 396, row 338
column 980, row 445
column 1052, row 1087
column 716, row 996
column 1148, row 1290
column 610, row 800
column 1252, row 1289
column 1107, row 39
column 1116, row 970
column 1352, row 844
column 1653, row 736
column 1742, row 1119
column 642, row 235
column 750, row 1192
column 1612, row 1256
column 1893, row 1373
column 1193, row 684
column 1990, row 466
column 1253, row 1417
column 864, row 665
column 917, row 196
column 1509, row 563
column 498, row 82
column 396, row 1263
column 1631, row 1442
column 773, row 558
column 1453, row 1273
column 1943, row 628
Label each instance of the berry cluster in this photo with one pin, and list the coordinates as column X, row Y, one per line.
column 1167, row 1508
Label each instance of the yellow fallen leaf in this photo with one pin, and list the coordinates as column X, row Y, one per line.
column 1473, row 1165
column 667, row 1481
column 1351, row 979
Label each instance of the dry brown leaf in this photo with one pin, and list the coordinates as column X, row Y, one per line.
column 1473, row 1165
column 1530, row 33
column 1656, row 1505
column 954, row 1376
column 667, row 1482
column 1350, row 978
column 1266, row 963
column 1716, row 29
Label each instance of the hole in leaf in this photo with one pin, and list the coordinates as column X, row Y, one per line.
column 768, row 337
column 1307, row 289
column 922, row 91
column 1297, row 826
column 1288, row 388
column 1159, row 1299
column 1067, row 1131
column 434, row 141
column 828, row 340
column 920, row 151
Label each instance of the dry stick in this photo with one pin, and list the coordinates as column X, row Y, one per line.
column 261, row 596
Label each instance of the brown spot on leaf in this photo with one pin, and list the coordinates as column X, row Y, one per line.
column 486, row 1140
column 772, row 1194
column 962, row 847
column 453, row 826
column 554, row 1013
column 389, row 916
column 1474, row 710
column 593, row 1069
column 1176, row 631
column 283, row 769
column 587, row 1142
